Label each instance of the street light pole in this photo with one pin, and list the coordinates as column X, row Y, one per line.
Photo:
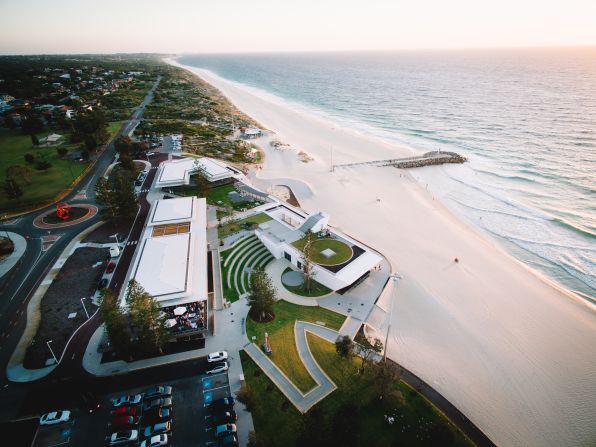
column 83, row 303
column 50, row 348
column 395, row 276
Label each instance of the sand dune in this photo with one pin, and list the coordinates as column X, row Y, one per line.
column 512, row 351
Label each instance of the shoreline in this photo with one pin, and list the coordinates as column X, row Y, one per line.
column 480, row 331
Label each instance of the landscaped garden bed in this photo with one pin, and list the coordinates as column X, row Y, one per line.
column 78, row 278
column 241, row 224
column 352, row 415
column 316, row 288
column 281, row 337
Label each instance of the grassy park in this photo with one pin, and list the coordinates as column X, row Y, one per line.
column 353, row 415
column 45, row 185
column 281, row 337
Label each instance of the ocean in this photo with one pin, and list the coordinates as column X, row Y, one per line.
column 525, row 118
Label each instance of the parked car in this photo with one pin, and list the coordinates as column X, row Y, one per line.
column 158, row 415
column 103, row 283
column 158, row 391
column 123, row 437
column 155, row 441
column 224, row 417
column 90, row 402
column 127, row 400
column 124, row 422
column 225, row 430
column 157, row 429
column 111, row 267
column 126, row 411
column 223, row 404
column 218, row 368
column 55, row 417
column 157, row 403
column 217, row 356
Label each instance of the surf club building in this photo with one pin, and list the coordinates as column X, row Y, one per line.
column 171, row 264
column 178, row 172
column 339, row 261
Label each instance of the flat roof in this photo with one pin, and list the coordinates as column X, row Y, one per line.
column 163, row 265
column 172, row 210
column 178, row 172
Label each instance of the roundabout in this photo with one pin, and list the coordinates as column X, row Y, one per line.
column 65, row 216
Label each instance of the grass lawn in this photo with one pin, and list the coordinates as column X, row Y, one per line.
column 235, row 226
column 45, row 185
column 281, row 337
column 316, row 289
column 113, row 127
column 350, row 416
column 343, row 252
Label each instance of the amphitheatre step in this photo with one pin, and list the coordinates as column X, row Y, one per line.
column 252, row 263
column 242, row 262
column 237, row 255
column 259, row 261
column 239, row 244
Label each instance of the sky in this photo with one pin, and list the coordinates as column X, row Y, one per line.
column 207, row 26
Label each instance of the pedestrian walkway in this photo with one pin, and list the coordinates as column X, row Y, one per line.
column 350, row 327
column 325, row 386
column 275, row 269
column 20, row 245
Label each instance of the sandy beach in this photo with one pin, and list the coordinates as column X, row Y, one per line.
column 511, row 350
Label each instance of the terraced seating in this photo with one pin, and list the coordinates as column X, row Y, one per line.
column 246, row 254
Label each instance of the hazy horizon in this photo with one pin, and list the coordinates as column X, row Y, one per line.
column 233, row 26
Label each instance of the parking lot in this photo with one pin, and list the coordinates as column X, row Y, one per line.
column 191, row 422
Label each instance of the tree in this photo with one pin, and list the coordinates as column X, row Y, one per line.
column 90, row 142
column 32, row 124
column 62, row 151
column 12, row 189
column 43, row 165
column 200, row 178
column 117, row 195
column 307, row 262
column 386, row 378
column 247, row 396
column 116, row 323
column 123, row 145
column 21, row 174
column 367, row 349
column 126, row 162
column 34, row 140
column 344, row 346
column 147, row 320
column 29, row 158
column 261, row 297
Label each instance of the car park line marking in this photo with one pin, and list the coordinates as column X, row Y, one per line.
column 214, row 389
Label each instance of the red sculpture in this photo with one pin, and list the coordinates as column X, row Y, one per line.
column 63, row 211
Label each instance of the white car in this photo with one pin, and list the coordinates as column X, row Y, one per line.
column 123, row 437
column 124, row 401
column 155, row 441
column 219, row 368
column 55, row 417
column 217, row 356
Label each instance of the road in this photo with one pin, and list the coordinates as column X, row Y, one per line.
column 17, row 287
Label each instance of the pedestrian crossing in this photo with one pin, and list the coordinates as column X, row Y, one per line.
column 132, row 243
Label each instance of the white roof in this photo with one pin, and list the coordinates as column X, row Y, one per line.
column 162, row 268
column 177, row 172
column 172, row 210
column 173, row 268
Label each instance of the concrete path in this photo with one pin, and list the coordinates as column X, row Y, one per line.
column 325, row 386
column 274, row 270
column 20, row 245
column 350, row 327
